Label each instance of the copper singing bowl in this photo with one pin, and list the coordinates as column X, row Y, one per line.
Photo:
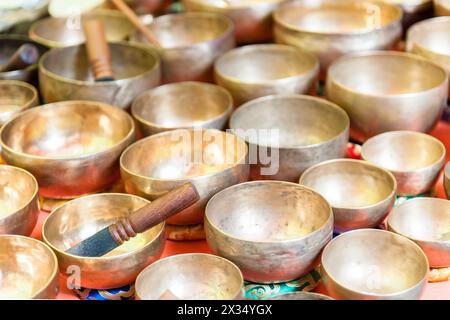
column 360, row 193
column 16, row 96
column 19, row 201
column 272, row 230
column 296, row 131
column 65, row 74
column 301, row 296
column 386, row 91
column 426, row 221
column 211, row 159
column 260, row 70
column 182, row 105
column 332, row 28
column 190, row 43
column 370, row 264
column 81, row 218
column 28, row 269
column 252, row 18
column 194, row 276
column 71, row 147
column 414, row 158
column 442, row 7
column 64, row 32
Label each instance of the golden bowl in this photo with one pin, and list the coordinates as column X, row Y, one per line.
column 442, row 7
column 414, row 158
column 301, row 296
column 194, row 276
column 273, row 231
column 426, row 221
column 296, row 131
column 81, row 218
column 28, row 269
column 210, row 159
column 387, row 91
column 182, row 105
column 255, row 71
column 190, row 43
column 71, row 147
column 370, row 264
column 16, row 96
column 361, row 194
column 65, row 74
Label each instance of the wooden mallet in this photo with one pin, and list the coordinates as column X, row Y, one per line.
column 26, row 55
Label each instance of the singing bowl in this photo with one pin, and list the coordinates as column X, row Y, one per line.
column 332, row 28
column 29, row 269
column 19, row 201
column 182, row 105
column 210, row 159
column 414, row 158
column 386, row 91
column 296, row 131
column 361, row 194
column 16, row 96
column 65, row 74
column 252, row 19
column 194, row 276
column 81, row 218
column 370, row 264
column 255, row 71
column 272, row 230
column 442, row 7
column 71, row 147
column 301, row 296
column 426, row 221
column 190, row 43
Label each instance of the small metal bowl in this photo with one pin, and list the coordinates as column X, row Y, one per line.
column 65, row 74
column 273, row 231
column 301, row 296
column 194, row 276
column 16, row 96
column 442, row 7
column 414, row 158
column 370, row 264
column 426, row 221
column 78, row 219
column 211, row 159
column 386, row 91
column 182, row 105
column 28, row 267
column 361, row 194
column 71, row 147
column 190, row 43
column 19, row 201
column 299, row 131
column 255, row 71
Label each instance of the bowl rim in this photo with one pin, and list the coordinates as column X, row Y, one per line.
column 234, row 7
column 216, row 228
column 34, row 100
column 364, row 163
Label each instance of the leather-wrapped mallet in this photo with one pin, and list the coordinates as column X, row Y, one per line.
column 25, row 56
column 139, row 221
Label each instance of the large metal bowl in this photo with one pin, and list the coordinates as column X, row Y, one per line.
column 442, row 7
column 16, row 96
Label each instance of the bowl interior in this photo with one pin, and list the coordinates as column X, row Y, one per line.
column 14, row 97
column 433, row 34
column 268, row 211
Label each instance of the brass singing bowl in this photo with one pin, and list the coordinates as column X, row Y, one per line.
column 442, row 7
column 272, row 230
column 210, row 159
column 286, row 128
column 252, row 19
column 182, row 105
column 426, row 221
column 81, row 218
column 386, row 91
column 71, row 147
column 29, row 269
column 16, row 96
column 255, row 71
column 414, row 158
column 65, row 74
column 19, row 201
column 332, row 28
column 190, row 43
column 361, row 194
column 301, row 296
column 194, row 276
column 371, row 264
column 63, row 32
